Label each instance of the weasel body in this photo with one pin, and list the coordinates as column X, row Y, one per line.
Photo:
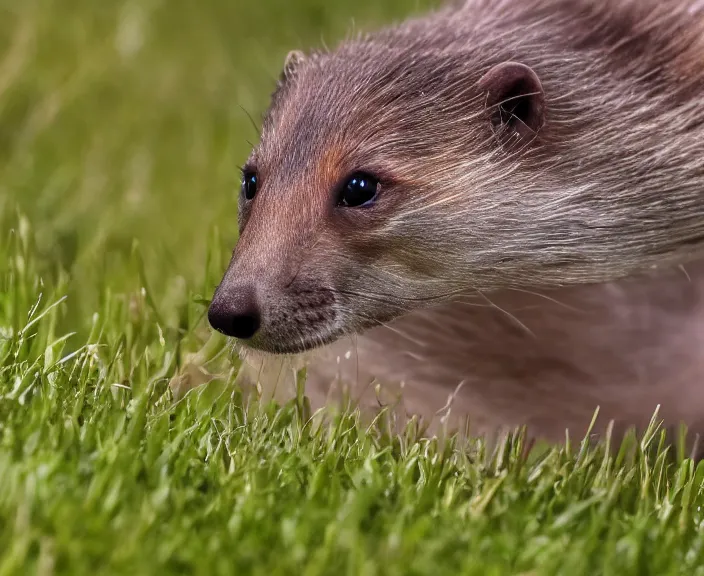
column 500, row 204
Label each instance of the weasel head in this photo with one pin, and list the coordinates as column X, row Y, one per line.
column 354, row 206
column 518, row 145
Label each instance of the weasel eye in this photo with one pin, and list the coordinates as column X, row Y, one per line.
column 359, row 190
column 249, row 185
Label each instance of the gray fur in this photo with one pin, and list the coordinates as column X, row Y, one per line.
column 501, row 271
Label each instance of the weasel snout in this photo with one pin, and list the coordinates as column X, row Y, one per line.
column 235, row 311
column 265, row 315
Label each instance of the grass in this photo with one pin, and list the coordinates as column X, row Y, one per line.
column 121, row 126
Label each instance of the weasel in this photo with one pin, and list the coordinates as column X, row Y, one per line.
column 495, row 209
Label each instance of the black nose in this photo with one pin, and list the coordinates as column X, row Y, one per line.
column 234, row 311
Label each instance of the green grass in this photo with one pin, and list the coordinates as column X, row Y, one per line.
column 121, row 128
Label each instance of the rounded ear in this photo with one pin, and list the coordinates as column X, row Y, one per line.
column 515, row 100
column 293, row 59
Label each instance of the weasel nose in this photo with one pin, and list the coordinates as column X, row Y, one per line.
column 235, row 312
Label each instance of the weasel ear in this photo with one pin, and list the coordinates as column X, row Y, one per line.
column 515, row 100
column 293, row 60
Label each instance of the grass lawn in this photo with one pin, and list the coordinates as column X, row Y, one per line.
column 122, row 125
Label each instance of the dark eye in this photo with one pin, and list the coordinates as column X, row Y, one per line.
column 359, row 190
column 249, row 185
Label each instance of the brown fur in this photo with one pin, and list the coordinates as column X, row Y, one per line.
column 496, row 274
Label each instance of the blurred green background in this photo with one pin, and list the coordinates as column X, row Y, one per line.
column 124, row 120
